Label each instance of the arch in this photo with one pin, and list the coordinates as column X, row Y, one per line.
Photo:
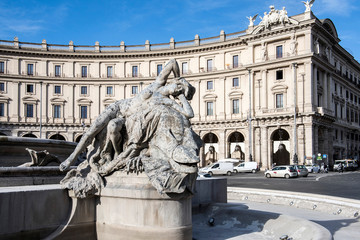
column 29, row 135
column 330, row 27
column 280, row 139
column 57, row 137
column 211, row 148
column 78, row 138
column 236, row 145
column 2, row 134
column 210, row 138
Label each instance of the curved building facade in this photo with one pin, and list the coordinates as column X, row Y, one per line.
column 282, row 91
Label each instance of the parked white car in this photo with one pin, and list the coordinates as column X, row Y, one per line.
column 281, row 171
column 313, row 168
column 246, row 167
column 220, row 168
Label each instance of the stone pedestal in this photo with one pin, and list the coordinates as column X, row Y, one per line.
column 129, row 207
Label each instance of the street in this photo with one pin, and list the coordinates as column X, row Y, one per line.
column 333, row 183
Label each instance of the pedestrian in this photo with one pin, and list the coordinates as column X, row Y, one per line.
column 341, row 168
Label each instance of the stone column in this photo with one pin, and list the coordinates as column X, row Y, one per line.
column 71, row 104
column 309, row 139
column 264, row 102
column 257, row 140
column 264, row 161
column 314, row 85
column 222, row 145
column 325, row 91
column 301, row 144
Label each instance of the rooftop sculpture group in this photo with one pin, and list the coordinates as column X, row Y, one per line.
column 150, row 132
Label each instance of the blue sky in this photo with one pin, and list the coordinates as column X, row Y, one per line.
column 134, row 21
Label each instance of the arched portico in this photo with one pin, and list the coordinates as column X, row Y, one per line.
column 280, row 140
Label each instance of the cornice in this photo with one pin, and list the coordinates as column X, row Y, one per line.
column 215, row 46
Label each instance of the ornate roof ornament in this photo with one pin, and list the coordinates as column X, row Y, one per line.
column 308, row 5
column 273, row 18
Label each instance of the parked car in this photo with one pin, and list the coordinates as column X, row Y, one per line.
column 301, row 170
column 246, row 167
column 203, row 175
column 348, row 164
column 286, row 171
column 313, row 168
column 218, row 168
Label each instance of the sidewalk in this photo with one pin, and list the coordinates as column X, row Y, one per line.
column 340, row 227
column 341, row 216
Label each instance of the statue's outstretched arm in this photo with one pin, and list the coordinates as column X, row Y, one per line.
column 101, row 121
column 171, row 66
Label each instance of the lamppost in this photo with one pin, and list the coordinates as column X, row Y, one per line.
column 250, row 145
column 295, row 159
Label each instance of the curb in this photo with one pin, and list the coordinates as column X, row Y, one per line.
column 349, row 208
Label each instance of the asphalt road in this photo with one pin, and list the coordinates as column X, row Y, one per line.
column 345, row 184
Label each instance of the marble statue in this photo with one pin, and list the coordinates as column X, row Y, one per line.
column 40, row 158
column 264, row 52
column 252, row 20
column 274, row 17
column 293, row 46
column 308, row 5
column 238, row 153
column 150, row 132
column 211, row 156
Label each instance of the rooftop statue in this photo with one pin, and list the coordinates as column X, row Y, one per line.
column 252, row 20
column 150, row 132
column 274, row 17
column 308, row 5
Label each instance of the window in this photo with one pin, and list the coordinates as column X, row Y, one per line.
column 29, row 88
column 2, row 69
column 279, row 75
column 2, row 109
column 30, row 69
column 235, row 61
column 209, row 108
column 109, row 71
column 209, row 65
column 235, row 82
column 57, row 111
column 109, row 90
column 209, row 85
column 336, row 134
column 134, row 90
column 135, row 71
column 185, row 68
column 235, row 106
column 57, row 70
column 83, row 112
column 2, row 87
column 83, row 90
column 84, row 72
column 279, row 101
column 57, row 89
column 29, row 110
column 279, row 52
column 341, row 112
column 158, row 69
column 335, row 88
